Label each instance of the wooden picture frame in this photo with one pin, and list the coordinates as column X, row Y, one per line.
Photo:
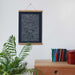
column 30, row 27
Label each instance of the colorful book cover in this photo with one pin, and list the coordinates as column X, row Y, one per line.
column 58, row 54
column 55, row 54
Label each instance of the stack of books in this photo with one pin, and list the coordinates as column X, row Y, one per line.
column 59, row 55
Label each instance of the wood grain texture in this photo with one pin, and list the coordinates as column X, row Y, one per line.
column 30, row 10
column 31, row 43
column 54, row 68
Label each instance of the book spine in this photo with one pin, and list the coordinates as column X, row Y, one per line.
column 65, row 55
column 56, row 55
column 62, row 54
column 52, row 54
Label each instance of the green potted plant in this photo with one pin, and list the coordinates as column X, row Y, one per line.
column 10, row 63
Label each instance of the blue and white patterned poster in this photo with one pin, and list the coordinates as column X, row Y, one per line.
column 30, row 27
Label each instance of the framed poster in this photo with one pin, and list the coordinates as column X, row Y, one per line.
column 30, row 27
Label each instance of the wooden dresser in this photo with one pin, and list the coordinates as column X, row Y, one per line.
column 54, row 68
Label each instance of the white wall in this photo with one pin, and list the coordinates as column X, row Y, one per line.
column 58, row 25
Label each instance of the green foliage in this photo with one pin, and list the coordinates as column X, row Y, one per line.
column 10, row 64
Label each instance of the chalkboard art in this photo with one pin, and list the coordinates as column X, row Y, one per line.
column 30, row 27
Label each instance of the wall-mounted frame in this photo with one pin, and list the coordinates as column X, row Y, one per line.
column 30, row 27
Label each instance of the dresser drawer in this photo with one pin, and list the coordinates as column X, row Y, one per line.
column 56, row 70
column 67, row 72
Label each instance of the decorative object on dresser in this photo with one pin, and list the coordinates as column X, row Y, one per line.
column 30, row 27
column 59, row 55
column 54, row 68
column 71, row 57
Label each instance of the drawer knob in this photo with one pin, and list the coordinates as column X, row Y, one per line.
column 55, row 71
